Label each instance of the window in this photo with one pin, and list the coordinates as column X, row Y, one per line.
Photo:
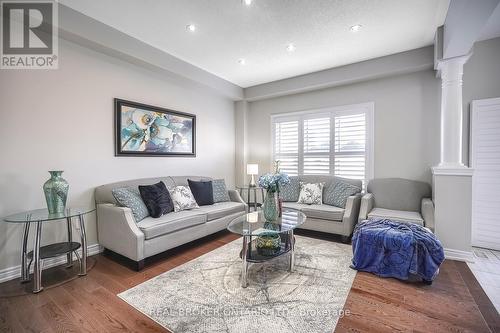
column 336, row 141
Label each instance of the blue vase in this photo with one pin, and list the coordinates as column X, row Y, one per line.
column 271, row 206
column 56, row 192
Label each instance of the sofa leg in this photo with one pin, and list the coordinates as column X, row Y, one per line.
column 344, row 239
column 139, row 265
column 427, row 282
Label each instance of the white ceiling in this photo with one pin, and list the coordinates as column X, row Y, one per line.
column 228, row 30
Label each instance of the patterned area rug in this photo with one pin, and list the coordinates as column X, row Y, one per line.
column 204, row 295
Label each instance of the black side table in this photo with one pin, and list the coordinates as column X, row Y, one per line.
column 249, row 189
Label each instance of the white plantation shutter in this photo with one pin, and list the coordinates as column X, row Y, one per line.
column 350, row 146
column 485, row 159
column 286, row 146
column 317, row 146
column 336, row 141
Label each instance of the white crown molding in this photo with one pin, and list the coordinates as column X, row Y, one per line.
column 11, row 273
column 459, row 255
column 452, row 171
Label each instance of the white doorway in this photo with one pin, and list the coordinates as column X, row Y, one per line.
column 485, row 159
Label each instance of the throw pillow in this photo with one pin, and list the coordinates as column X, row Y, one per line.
column 290, row 191
column 131, row 198
column 203, row 192
column 220, row 190
column 182, row 198
column 157, row 199
column 337, row 193
column 311, row 193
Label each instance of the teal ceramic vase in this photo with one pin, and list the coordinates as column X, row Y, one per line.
column 271, row 206
column 56, row 192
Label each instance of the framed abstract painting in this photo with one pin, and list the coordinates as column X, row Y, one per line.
column 145, row 130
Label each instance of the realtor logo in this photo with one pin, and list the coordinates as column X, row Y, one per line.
column 29, row 35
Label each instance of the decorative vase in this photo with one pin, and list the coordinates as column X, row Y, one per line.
column 56, row 192
column 271, row 206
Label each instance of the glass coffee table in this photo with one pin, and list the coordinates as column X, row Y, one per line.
column 264, row 240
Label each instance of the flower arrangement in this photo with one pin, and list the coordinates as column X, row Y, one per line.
column 272, row 181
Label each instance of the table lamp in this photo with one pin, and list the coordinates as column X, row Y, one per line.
column 252, row 169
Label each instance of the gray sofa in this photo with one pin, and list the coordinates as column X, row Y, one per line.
column 326, row 218
column 119, row 232
column 398, row 199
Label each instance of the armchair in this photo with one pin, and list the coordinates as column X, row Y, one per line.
column 398, row 199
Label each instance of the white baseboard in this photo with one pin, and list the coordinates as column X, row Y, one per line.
column 11, row 273
column 459, row 255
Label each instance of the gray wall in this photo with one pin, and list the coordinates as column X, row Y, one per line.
column 63, row 120
column 406, row 121
column 481, row 80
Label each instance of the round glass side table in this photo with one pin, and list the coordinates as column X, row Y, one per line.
column 39, row 217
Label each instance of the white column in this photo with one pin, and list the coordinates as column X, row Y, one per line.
column 451, row 112
column 452, row 181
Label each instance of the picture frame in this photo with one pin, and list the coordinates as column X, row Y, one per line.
column 146, row 130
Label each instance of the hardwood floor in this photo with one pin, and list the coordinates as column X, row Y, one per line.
column 452, row 304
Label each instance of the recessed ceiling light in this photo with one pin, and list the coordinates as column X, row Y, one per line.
column 356, row 28
column 247, row 2
column 290, row 47
column 241, row 61
column 191, row 27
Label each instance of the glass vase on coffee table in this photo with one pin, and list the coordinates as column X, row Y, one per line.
column 253, row 225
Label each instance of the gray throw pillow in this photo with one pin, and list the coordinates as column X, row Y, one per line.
column 220, row 190
column 131, row 197
column 290, row 192
column 336, row 194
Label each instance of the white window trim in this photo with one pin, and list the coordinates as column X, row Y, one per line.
column 368, row 108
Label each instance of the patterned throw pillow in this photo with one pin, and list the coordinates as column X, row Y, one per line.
column 290, row 192
column 182, row 198
column 131, row 198
column 311, row 193
column 337, row 193
column 220, row 190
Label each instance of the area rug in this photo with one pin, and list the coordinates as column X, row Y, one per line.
column 205, row 294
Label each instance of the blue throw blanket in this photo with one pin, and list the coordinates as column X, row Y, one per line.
column 394, row 249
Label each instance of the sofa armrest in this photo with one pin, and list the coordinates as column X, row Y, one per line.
column 118, row 231
column 428, row 213
column 236, row 197
column 351, row 213
column 367, row 204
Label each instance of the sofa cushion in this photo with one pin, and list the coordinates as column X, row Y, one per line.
column 220, row 190
column 222, row 209
column 322, row 212
column 157, row 199
column 183, row 198
column 202, row 191
column 336, row 193
column 311, row 193
column 397, row 215
column 290, row 192
column 131, row 198
column 171, row 222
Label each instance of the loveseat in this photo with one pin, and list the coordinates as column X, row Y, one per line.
column 119, row 232
column 327, row 218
